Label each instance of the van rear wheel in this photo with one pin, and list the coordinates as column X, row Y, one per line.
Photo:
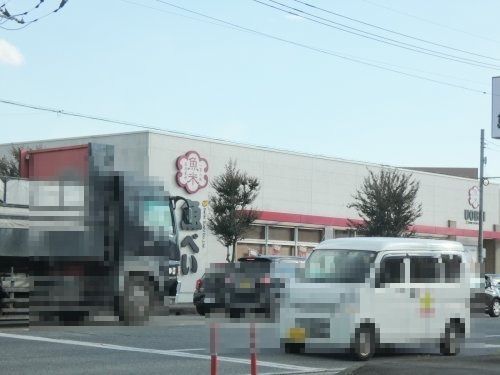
column 364, row 343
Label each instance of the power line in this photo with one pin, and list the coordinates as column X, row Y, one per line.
column 320, row 50
column 80, row 115
column 489, row 143
column 347, row 55
column 173, row 13
column 393, row 31
column 144, row 126
column 378, row 38
column 430, row 21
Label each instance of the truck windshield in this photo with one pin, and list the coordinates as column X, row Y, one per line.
column 339, row 266
column 158, row 216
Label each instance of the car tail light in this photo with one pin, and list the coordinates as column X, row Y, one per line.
column 199, row 284
column 265, row 280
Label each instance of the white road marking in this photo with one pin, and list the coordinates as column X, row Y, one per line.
column 481, row 345
column 330, row 371
column 173, row 353
column 189, row 350
column 492, row 336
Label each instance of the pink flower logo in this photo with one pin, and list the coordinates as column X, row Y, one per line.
column 192, row 172
column 474, row 197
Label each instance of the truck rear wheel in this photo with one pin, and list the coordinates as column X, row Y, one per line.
column 137, row 298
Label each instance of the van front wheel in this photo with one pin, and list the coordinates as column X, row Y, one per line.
column 294, row 348
column 364, row 343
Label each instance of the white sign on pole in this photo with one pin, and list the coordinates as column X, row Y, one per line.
column 495, row 108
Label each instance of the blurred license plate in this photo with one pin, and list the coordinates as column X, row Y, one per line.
column 245, row 285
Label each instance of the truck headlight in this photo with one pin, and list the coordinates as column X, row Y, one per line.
column 172, row 271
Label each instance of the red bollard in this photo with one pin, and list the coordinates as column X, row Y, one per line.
column 213, row 349
column 253, row 351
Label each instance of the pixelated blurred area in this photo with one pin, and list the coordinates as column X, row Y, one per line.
column 354, row 295
column 249, row 290
column 100, row 246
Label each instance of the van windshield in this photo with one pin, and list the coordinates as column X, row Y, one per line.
column 339, row 266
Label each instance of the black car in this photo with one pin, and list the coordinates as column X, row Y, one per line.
column 251, row 285
column 492, row 294
column 199, row 296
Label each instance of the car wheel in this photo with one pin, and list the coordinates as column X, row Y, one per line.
column 200, row 309
column 364, row 343
column 451, row 341
column 495, row 308
column 294, row 348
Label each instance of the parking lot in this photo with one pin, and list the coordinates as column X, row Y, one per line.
column 180, row 344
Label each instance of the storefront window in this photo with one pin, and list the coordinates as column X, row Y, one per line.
column 256, row 232
column 343, row 233
column 310, row 235
column 248, row 249
column 281, row 234
column 304, row 251
column 279, row 250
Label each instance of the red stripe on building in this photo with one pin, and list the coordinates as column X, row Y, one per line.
column 282, row 217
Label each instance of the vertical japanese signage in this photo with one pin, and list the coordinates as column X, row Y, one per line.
column 192, row 176
column 495, row 108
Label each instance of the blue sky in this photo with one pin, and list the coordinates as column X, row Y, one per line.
column 120, row 60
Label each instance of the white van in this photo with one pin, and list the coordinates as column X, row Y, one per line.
column 364, row 293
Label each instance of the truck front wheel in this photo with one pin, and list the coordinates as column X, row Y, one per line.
column 137, row 298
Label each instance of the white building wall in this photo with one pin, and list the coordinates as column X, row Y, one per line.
column 303, row 184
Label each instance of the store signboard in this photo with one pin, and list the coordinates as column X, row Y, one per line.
column 192, row 172
column 495, row 108
column 472, row 216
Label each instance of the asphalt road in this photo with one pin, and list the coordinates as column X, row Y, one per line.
column 179, row 345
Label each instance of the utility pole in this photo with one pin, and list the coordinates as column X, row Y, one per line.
column 481, row 186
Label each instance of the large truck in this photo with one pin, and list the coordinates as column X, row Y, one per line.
column 102, row 244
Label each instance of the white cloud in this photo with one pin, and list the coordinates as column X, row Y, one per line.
column 9, row 54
